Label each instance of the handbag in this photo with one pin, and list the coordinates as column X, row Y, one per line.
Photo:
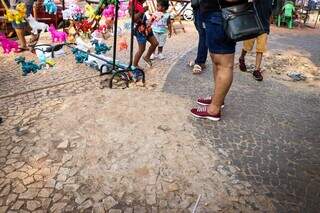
column 241, row 22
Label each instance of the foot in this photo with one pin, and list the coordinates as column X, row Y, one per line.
column 257, row 75
column 22, row 49
column 242, row 65
column 154, row 56
column 161, row 56
column 148, row 61
column 206, row 101
column 202, row 112
column 197, row 69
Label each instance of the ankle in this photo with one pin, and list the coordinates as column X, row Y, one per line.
column 214, row 109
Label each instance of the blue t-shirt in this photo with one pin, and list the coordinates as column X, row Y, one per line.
column 160, row 25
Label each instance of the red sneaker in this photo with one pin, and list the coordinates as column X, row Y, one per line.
column 206, row 101
column 201, row 112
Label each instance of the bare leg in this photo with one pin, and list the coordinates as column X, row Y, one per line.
column 22, row 39
column 223, row 80
column 154, row 43
column 137, row 56
column 258, row 60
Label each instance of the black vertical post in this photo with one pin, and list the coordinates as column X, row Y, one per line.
column 132, row 31
column 63, row 21
column 115, row 35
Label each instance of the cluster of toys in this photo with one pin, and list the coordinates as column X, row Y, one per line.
column 87, row 30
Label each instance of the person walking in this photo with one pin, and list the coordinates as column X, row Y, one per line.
column 222, row 51
column 264, row 10
column 202, row 52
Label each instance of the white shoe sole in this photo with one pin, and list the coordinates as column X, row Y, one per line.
column 207, row 117
column 202, row 104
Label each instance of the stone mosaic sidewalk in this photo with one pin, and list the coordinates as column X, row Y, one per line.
column 67, row 146
column 270, row 130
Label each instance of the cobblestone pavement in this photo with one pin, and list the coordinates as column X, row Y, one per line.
column 44, row 167
column 269, row 131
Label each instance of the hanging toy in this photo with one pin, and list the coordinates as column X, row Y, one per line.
column 18, row 15
column 27, row 66
column 109, row 12
column 100, row 47
column 80, row 56
column 123, row 45
column 36, row 26
column 21, row 12
column 50, row 7
column 56, row 35
column 8, row 45
column 123, row 9
column 90, row 13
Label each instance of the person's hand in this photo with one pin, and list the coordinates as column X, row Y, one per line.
column 146, row 8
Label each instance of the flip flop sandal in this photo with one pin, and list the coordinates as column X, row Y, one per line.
column 22, row 49
column 197, row 69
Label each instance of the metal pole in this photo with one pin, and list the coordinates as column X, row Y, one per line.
column 115, row 34
column 132, row 31
column 63, row 21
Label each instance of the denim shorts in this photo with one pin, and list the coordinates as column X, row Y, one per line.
column 142, row 38
column 217, row 40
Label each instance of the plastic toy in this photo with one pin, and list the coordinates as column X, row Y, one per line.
column 67, row 14
column 7, row 44
column 50, row 6
column 72, row 32
column 84, row 27
column 123, row 9
column 74, row 12
column 82, row 45
column 80, row 56
column 18, row 15
column 44, row 62
column 36, row 26
column 56, row 35
column 109, row 11
column 22, row 10
column 27, row 66
column 100, row 47
column 90, row 13
column 123, row 45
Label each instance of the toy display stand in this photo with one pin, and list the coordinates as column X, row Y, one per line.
column 119, row 71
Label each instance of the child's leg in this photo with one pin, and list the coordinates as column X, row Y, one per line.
column 154, row 43
column 137, row 56
column 261, row 48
